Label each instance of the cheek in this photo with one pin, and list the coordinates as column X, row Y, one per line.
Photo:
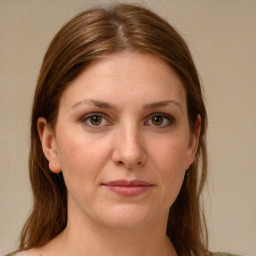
column 169, row 162
column 81, row 157
column 170, row 154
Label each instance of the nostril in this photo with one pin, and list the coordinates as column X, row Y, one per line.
column 120, row 162
column 129, row 166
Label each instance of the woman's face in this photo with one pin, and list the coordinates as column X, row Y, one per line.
column 122, row 141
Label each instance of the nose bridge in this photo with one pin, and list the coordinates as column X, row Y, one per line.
column 129, row 148
column 130, row 137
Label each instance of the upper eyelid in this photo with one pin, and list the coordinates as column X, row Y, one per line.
column 168, row 116
column 87, row 116
column 94, row 114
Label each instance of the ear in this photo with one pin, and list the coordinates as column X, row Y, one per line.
column 193, row 143
column 49, row 145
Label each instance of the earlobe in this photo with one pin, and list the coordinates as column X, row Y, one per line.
column 49, row 145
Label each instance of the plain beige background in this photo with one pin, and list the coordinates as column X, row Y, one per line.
column 222, row 37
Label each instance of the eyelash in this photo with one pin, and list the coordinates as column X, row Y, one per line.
column 166, row 117
column 170, row 119
column 86, row 119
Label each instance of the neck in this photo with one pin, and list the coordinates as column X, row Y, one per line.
column 142, row 241
column 87, row 235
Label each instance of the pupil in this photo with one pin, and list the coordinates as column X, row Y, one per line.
column 96, row 120
column 157, row 120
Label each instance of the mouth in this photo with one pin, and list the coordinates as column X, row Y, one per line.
column 128, row 188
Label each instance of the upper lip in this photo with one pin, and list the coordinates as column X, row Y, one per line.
column 127, row 183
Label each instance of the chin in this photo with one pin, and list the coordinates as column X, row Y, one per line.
column 128, row 216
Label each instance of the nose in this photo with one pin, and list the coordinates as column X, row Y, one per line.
column 129, row 149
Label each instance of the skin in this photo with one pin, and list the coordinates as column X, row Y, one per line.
column 130, row 141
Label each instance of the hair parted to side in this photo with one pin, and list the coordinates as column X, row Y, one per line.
column 88, row 36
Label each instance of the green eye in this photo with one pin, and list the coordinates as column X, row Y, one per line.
column 157, row 120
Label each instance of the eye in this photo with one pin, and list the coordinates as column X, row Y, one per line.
column 95, row 119
column 160, row 119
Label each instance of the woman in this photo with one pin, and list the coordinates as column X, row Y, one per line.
column 118, row 156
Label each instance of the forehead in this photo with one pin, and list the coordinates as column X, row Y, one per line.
column 126, row 75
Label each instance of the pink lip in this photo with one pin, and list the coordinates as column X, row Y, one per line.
column 128, row 188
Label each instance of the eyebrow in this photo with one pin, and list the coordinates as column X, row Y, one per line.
column 102, row 104
column 97, row 103
column 162, row 104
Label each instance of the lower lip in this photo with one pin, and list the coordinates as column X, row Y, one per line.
column 128, row 190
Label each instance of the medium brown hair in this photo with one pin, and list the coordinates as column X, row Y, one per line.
column 87, row 37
